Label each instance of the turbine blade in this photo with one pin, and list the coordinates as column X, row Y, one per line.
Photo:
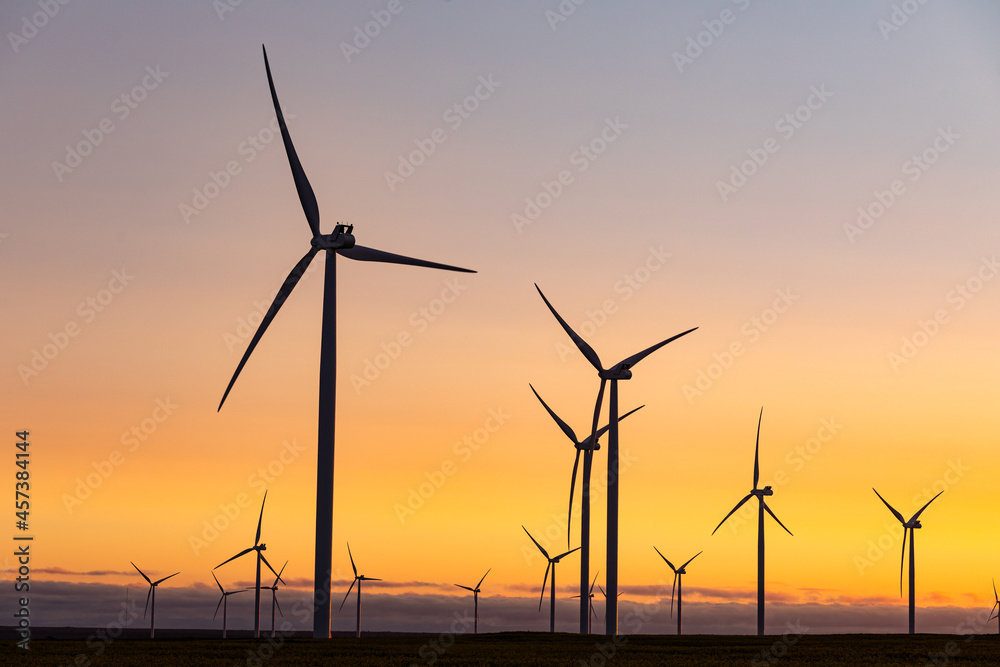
column 360, row 253
column 673, row 589
column 157, row 583
column 997, row 597
column 692, row 558
column 639, row 356
column 348, row 593
column 544, row 581
column 594, row 433
column 261, row 554
column 544, row 552
column 608, row 426
column 581, row 344
column 351, row 556
column 484, row 577
column 371, row 579
column 768, row 510
column 218, row 605
column 902, row 559
column 280, row 572
column 563, row 425
column 466, row 588
column 242, row 553
column 756, row 452
column 738, row 505
column 891, row 509
column 563, row 555
column 218, row 584
column 279, row 299
column 144, row 609
column 278, row 605
column 306, row 196
column 665, row 560
column 260, row 520
column 593, row 582
column 572, row 487
column 600, row 588
column 142, row 573
column 920, row 511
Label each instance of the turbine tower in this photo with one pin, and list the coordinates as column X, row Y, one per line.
column 761, row 508
column 553, row 561
column 679, row 573
column 358, row 578
column 341, row 242
column 620, row 371
column 224, row 603
column 910, row 525
column 260, row 549
column 475, row 600
column 588, row 447
column 151, row 593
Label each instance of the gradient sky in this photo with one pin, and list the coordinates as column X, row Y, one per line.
column 879, row 370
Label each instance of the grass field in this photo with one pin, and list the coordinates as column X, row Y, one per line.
column 522, row 648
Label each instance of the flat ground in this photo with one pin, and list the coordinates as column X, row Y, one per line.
column 519, row 648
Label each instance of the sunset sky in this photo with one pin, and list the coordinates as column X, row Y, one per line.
column 813, row 185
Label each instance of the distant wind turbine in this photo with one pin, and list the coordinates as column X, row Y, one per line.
column 910, row 525
column 620, row 371
column 475, row 600
column 588, row 446
column 590, row 599
column 224, row 603
column 679, row 573
column 151, row 594
column 358, row 578
column 274, row 596
column 260, row 549
column 553, row 561
column 341, row 242
column 761, row 508
column 995, row 604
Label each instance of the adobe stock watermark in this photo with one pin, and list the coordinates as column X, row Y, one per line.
column 248, row 150
column 31, row 25
column 419, row 321
column 899, row 17
column 913, row 168
column 364, row 34
column 454, row 116
column 432, row 650
column 786, row 126
column 131, row 440
column 751, row 330
column 59, row 340
column 463, row 450
column 121, row 107
column 956, row 298
column 562, row 12
column 580, row 159
column 223, row 7
column 697, row 44
column 887, row 541
column 630, row 283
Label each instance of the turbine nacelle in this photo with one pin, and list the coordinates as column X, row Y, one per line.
column 766, row 491
column 618, row 372
column 341, row 238
column 912, row 524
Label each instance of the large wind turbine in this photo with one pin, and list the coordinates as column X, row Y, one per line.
column 475, row 600
column 679, row 573
column 761, row 508
column 588, row 447
column 620, row 371
column 341, row 241
column 358, row 578
column 260, row 549
column 224, row 603
column 274, row 596
column 910, row 525
column 553, row 561
column 590, row 597
column 151, row 593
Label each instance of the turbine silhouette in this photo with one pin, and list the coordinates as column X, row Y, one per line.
column 274, row 596
column 910, row 525
column 590, row 598
column 358, row 578
column 995, row 605
column 151, row 593
column 341, row 242
column 224, row 603
column 260, row 549
column 553, row 560
column 620, row 371
column 761, row 508
column 475, row 600
column 587, row 446
column 679, row 573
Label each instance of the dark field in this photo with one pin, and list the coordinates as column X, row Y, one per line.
column 521, row 648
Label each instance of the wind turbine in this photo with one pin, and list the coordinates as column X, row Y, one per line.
column 224, row 603
column 620, row 371
column 260, row 549
column 342, row 242
column 995, row 604
column 761, row 508
column 590, row 598
column 553, row 560
column 274, row 596
column 588, row 447
column 151, row 593
column 475, row 600
column 679, row 572
column 358, row 578
column 910, row 525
